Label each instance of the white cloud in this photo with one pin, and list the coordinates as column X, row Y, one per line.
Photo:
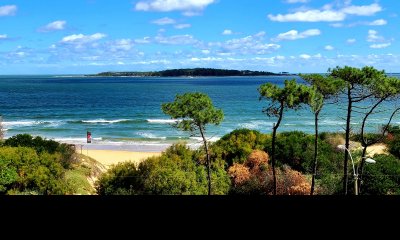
column 327, row 14
column 379, row 22
column 176, row 40
column 309, row 16
column 122, row 44
column 189, row 7
column 8, row 10
column 381, row 45
column 164, row 21
column 182, row 26
column 280, row 57
column 144, row 40
column 297, row 1
column 53, row 26
column 3, row 36
column 379, row 41
column 305, row 56
column 329, row 48
column 368, row 10
column 80, row 38
column 227, row 32
column 351, row 41
column 337, row 25
column 294, row 34
column 374, row 37
column 253, row 44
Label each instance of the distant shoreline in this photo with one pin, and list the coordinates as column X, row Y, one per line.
column 192, row 72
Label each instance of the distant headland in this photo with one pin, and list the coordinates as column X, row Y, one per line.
column 191, row 72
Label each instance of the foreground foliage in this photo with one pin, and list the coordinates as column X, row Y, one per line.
column 178, row 171
column 41, row 145
column 382, row 178
column 38, row 166
column 255, row 177
column 24, row 170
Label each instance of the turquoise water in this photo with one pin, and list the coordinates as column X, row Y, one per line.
column 127, row 110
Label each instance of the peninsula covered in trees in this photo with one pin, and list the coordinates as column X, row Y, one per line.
column 191, row 72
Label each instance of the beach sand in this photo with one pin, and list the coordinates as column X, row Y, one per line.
column 113, row 157
column 377, row 149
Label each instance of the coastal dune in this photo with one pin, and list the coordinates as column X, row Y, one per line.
column 113, row 157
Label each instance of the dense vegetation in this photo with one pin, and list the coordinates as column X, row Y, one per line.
column 192, row 72
column 31, row 165
column 179, row 171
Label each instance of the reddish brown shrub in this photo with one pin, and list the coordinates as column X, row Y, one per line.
column 291, row 182
column 239, row 174
column 256, row 160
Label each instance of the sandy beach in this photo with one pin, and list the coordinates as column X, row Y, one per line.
column 113, row 157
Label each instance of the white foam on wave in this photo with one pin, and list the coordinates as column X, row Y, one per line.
column 257, row 124
column 163, row 121
column 150, row 135
column 95, row 121
column 27, row 123
column 20, row 123
column 331, row 122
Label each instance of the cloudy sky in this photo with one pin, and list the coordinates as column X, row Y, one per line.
column 89, row 36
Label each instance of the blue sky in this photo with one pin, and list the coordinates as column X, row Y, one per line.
column 89, row 36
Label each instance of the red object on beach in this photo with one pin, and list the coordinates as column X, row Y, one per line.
column 89, row 137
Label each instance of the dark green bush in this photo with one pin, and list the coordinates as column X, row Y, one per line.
column 122, row 179
column 370, row 137
column 43, row 145
column 37, row 143
column 296, row 149
column 383, row 177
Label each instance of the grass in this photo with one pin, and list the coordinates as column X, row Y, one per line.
column 80, row 179
column 77, row 180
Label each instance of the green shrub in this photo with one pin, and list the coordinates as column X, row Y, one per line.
column 41, row 173
column 236, row 146
column 371, row 137
column 43, row 145
column 383, row 177
column 122, row 179
column 394, row 145
column 8, row 174
column 176, row 172
column 395, row 130
column 296, row 149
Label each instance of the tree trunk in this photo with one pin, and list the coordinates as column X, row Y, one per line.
column 208, row 159
column 346, row 154
column 315, row 153
column 364, row 142
column 275, row 128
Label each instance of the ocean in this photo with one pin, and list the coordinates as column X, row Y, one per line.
column 126, row 111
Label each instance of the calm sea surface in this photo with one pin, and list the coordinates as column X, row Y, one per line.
column 128, row 110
